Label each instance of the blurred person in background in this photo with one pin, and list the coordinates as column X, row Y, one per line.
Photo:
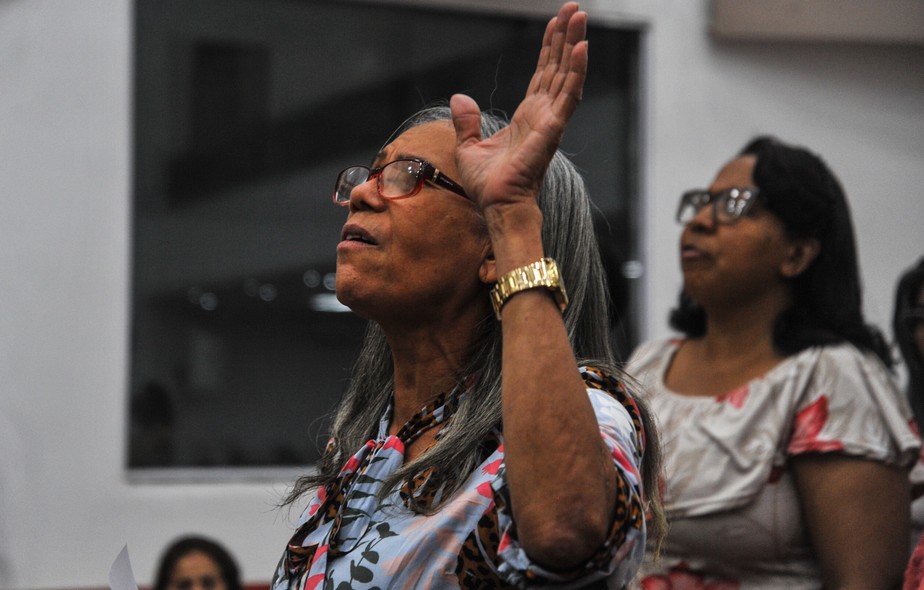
column 908, row 327
column 787, row 443
column 197, row 563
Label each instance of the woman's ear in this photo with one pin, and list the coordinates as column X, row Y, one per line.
column 487, row 272
column 801, row 254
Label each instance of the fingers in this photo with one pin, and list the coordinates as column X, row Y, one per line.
column 544, row 53
column 561, row 52
column 567, row 99
column 560, row 31
column 574, row 37
column 466, row 118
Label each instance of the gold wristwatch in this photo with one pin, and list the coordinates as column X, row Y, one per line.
column 543, row 273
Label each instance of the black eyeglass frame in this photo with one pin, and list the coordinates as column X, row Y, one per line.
column 699, row 198
column 427, row 173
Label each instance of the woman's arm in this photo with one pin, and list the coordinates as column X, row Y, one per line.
column 857, row 513
column 561, row 477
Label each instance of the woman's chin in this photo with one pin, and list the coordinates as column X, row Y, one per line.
column 361, row 302
column 345, row 297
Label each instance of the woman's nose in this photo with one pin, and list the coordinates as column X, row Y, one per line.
column 366, row 196
column 704, row 219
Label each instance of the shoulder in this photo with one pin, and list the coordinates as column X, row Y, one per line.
column 608, row 380
column 648, row 365
column 846, row 351
column 618, row 412
column 652, row 353
column 846, row 367
column 839, row 375
column 850, row 402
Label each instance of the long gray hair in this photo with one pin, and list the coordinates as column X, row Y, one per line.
column 568, row 237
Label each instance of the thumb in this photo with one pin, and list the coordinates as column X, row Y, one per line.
column 466, row 118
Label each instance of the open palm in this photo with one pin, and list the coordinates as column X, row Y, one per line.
column 508, row 167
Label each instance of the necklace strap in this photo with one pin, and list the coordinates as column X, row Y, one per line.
column 435, row 413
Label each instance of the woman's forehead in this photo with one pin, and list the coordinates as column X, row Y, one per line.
column 433, row 141
column 736, row 173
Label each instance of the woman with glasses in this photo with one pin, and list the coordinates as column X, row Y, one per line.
column 478, row 446
column 787, row 445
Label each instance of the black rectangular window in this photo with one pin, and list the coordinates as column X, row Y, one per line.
column 244, row 114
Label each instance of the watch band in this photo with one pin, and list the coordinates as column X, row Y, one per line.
column 541, row 274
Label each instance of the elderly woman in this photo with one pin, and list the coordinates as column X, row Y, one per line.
column 787, row 444
column 472, row 448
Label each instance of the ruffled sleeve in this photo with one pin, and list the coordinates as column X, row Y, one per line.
column 852, row 405
column 619, row 558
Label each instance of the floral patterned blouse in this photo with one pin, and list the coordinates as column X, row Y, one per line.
column 730, row 497
column 347, row 539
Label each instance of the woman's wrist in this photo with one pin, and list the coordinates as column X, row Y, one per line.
column 516, row 235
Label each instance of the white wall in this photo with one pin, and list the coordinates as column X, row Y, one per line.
column 66, row 508
column 861, row 107
column 65, row 175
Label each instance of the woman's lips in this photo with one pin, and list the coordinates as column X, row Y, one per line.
column 355, row 236
column 691, row 252
column 349, row 245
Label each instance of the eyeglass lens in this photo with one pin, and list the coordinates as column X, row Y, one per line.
column 399, row 178
column 727, row 206
column 396, row 179
column 349, row 179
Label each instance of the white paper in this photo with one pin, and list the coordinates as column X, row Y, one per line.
column 121, row 576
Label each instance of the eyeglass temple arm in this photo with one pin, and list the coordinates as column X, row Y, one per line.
column 442, row 180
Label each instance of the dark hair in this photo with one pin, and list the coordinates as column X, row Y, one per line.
column 799, row 188
column 191, row 544
column 906, row 297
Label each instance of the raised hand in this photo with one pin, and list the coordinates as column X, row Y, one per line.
column 508, row 167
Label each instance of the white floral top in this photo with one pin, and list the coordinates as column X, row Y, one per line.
column 347, row 539
column 731, row 501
